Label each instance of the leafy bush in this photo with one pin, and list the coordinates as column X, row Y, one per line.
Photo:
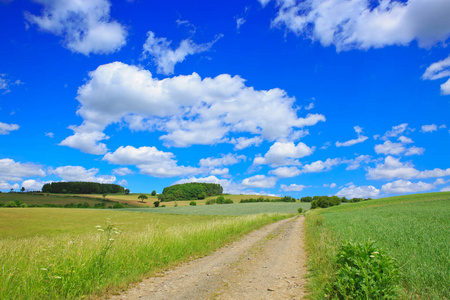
column 210, row 201
column 156, row 203
column 228, row 201
column 325, row 201
column 193, row 203
column 300, row 210
column 118, row 205
column 220, row 200
column 154, row 193
column 202, row 195
column 306, row 199
column 23, row 205
column 364, row 272
column 10, row 204
column 192, row 190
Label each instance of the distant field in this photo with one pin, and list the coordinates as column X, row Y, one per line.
column 56, row 253
column 41, row 199
column 237, row 209
column 414, row 229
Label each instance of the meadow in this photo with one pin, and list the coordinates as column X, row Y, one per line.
column 236, row 209
column 54, row 253
column 413, row 229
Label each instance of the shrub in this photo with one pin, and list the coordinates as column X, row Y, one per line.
column 210, row 201
column 156, row 203
column 193, row 203
column 325, row 201
column 23, row 205
column 306, row 199
column 220, row 200
column 300, row 210
column 10, row 204
column 154, row 193
column 227, row 201
column 118, row 205
column 202, row 195
column 363, row 272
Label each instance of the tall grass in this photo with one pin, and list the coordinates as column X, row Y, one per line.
column 72, row 266
column 413, row 229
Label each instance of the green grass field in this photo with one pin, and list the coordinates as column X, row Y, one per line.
column 413, row 229
column 41, row 199
column 56, row 253
column 237, row 209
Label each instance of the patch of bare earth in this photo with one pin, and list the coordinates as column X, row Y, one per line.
column 268, row 263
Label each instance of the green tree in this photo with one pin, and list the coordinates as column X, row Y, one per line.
column 154, row 193
column 142, row 197
column 22, row 189
column 127, row 191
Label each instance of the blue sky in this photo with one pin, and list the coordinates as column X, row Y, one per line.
column 317, row 97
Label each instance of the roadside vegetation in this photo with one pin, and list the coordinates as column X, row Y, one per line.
column 72, row 254
column 413, row 230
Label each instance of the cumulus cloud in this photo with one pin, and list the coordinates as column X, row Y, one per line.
column 259, row 181
column 390, row 148
column 86, row 141
column 225, row 160
column 150, row 161
column 353, row 191
column 363, row 24
column 122, row 171
column 284, row 153
column 404, row 186
column 78, row 173
column 429, row 128
column 361, row 138
column 7, row 128
column 85, row 25
column 285, row 172
column 321, row 166
column 4, row 185
column 293, row 187
column 405, row 140
column 243, row 142
column 15, row 171
column 188, row 109
column 33, row 185
column 438, row 70
column 165, row 58
column 219, row 172
column 393, row 168
column 353, row 164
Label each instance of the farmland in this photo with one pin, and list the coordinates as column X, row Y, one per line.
column 52, row 253
column 413, row 229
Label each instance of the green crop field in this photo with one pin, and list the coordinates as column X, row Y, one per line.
column 237, row 209
column 40, row 199
column 56, row 253
column 413, row 229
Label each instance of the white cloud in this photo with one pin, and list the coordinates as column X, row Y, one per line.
column 397, row 130
column 362, row 24
column 33, row 185
column 293, row 187
column 429, row 128
column 189, row 109
column 393, row 168
column 321, row 166
column 404, row 186
column 15, row 171
column 285, row 172
column 225, row 160
column 240, row 22
column 326, row 146
column 405, row 140
column 6, row 83
column 243, row 142
column 333, row 185
column 355, row 163
column 259, row 181
column 87, row 142
column 122, row 171
column 446, row 189
column 78, row 173
column 353, row 191
column 7, row 128
column 50, row 134
column 165, row 58
column 122, row 182
column 85, row 25
column 389, row 148
column 150, row 161
column 284, row 153
column 439, row 70
column 220, row 172
column 443, row 126
column 310, row 106
column 414, row 151
column 360, row 139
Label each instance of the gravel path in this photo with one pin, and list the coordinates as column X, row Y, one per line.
column 268, row 263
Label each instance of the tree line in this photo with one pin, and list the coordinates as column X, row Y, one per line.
column 79, row 187
column 190, row 191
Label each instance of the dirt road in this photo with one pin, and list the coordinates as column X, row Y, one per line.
column 269, row 263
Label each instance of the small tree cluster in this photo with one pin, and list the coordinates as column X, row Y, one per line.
column 325, row 201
